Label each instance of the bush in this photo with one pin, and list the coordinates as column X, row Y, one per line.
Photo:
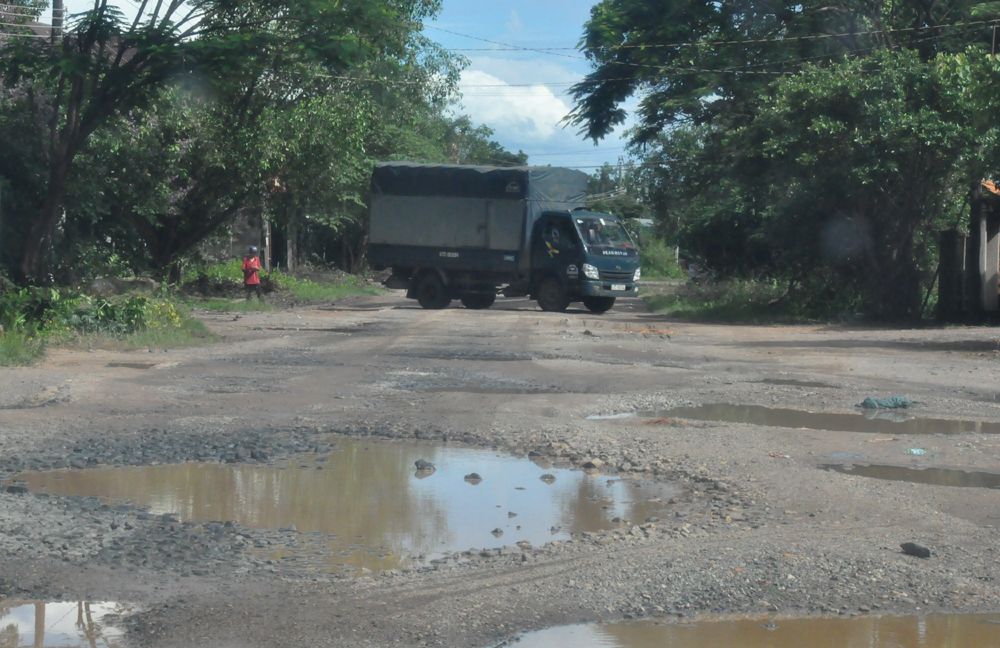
column 658, row 260
column 19, row 348
column 733, row 300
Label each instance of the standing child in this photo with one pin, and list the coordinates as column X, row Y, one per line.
column 251, row 266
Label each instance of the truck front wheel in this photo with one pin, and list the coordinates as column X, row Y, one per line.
column 551, row 296
column 598, row 304
column 431, row 293
column 478, row 301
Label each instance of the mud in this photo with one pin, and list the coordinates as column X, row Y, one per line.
column 932, row 476
column 870, row 422
column 365, row 507
column 866, row 631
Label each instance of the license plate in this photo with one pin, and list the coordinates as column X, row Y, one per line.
column 617, row 286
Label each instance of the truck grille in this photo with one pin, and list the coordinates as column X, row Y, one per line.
column 617, row 275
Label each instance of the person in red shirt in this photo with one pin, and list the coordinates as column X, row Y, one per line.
column 251, row 280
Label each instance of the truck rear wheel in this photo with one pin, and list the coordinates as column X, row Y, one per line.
column 478, row 301
column 431, row 293
column 551, row 296
column 598, row 304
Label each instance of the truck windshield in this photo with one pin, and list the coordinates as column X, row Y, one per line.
column 602, row 231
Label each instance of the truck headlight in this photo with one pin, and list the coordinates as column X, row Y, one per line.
column 638, row 275
column 590, row 272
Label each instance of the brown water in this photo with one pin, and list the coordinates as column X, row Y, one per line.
column 133, row 365
column 790, row 382
column 932, row 476
column 369, row 495
column 65, row 623
column 870, row 421
column 462, row 389
column 923, row 631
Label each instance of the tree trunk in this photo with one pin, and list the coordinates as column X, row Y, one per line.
column 38, row 245
column 358, row 259
column 292, row 246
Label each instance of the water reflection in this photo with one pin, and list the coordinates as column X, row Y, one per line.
column 872, row 421
column 43, row 625
column 925, row 631
column 370, row 495
column 932, row 476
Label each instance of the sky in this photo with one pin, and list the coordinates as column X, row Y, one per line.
column 521, row 95
column 493, row 86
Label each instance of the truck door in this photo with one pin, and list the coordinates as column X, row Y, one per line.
column 554, row 245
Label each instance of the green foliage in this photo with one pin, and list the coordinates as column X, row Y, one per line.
column 733, row 301
column 315, row 291
column 238, row 305
column 684, row 58
column 20, row 348
column 658, row 260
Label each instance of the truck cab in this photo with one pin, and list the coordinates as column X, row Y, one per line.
column 583, row 256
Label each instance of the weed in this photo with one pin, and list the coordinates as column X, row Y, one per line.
column 658, row 261
column 730, row 301
column 233, row 305
column 19, row 348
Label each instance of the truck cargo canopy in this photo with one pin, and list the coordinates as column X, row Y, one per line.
column 543, row 184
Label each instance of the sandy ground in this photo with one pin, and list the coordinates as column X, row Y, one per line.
column 776, row 534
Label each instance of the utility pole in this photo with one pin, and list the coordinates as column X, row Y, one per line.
column 620, row 164
column 57, row 19
column 993, row 48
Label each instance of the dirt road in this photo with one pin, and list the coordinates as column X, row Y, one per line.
column 746, row 531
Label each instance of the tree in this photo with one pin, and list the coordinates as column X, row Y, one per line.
column 105, row 66
column 850, row 170
column 701, row 61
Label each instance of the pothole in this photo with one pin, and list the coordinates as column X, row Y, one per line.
column 133, row 365
column 930, row 476
column 469, row 389
column 471, row 357
column 871, row 422
column 790, row 382
column 365, row 506
column 61, row 623
column 926, row 631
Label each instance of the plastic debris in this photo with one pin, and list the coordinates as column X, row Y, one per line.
column 893, row 402
column 778, row 456
column 915, row 451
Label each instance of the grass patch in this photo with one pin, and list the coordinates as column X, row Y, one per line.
column 168, row 326
column 18, row 349
column 732, row 301
column 241, row 305
column 309, row 290
column 227, row 277
column 658, row 261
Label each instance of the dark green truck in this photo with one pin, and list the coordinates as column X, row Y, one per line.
column 469, row 232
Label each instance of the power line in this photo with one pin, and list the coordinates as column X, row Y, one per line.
column 507, row 47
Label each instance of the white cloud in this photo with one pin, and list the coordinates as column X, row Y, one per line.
column 518, row 113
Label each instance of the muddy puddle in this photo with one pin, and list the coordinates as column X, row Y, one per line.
column 470, row 357
column 132, row 365
column 791, row 382
column 871, row 421
column 931, row 476
column 468, row 389
column 63, row 623
column 923, row 631
column 367, row 504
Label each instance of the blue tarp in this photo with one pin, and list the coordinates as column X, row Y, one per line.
column 893, row 402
